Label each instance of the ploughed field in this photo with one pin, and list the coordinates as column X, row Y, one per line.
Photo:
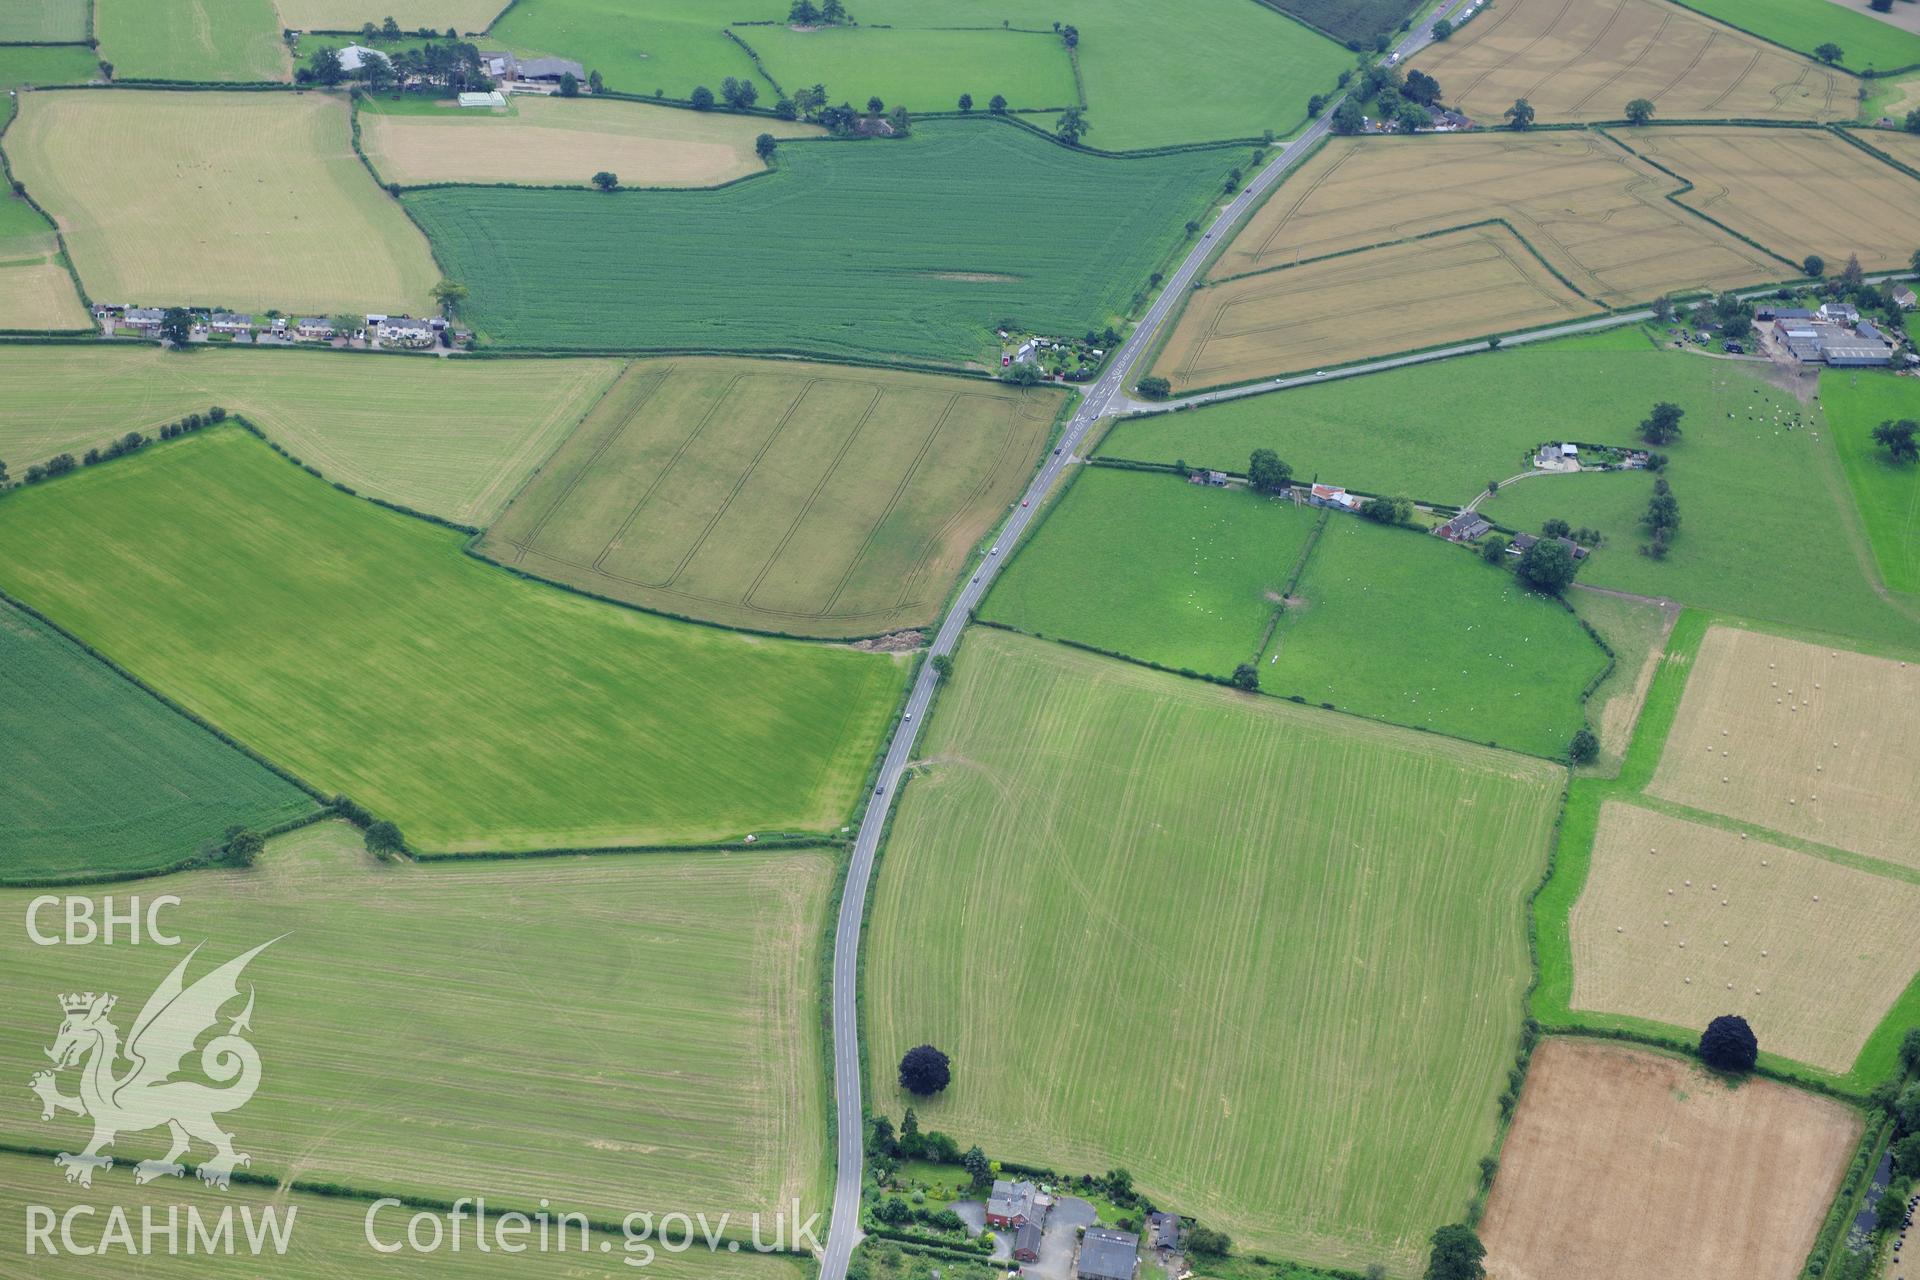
column 809, row 499
column 1363, row 890
column 363, row 651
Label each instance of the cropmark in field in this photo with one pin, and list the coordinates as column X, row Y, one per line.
column 800, row 498
column 1800, row 192
column 1814, row 742
column 1626, row 1162
column 1680, row 922
column 1582, row 225
column 615, row 1034
column 102, row 777
column 362, row 650
column 563, row 143
column 1587, row 61
column 192, row 40
column 244, row 200
column 1363, row 890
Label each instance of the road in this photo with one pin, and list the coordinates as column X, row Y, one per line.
column 1105, row 396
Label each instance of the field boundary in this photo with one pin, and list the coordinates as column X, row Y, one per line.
column 1551, row 1001
column 1869, row 74
column 20, row 189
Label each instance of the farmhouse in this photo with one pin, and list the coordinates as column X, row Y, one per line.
column 1464, row 527
column 1106, row 1254
column 355, row 56
column 313, row 327
column 1332, row 495
column 143, row 317
column 228, row 322
column 1839, row 313
column 1014, row 1203
column 401, row 329
column 1904, row 297
column 1218, row 479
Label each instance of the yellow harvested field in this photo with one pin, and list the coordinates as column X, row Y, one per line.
column 470, row 16
column 35, row 290
column 565, row 141
column 1813, row 742
column 1586, row 61
column 1462, row 284
column 1681, row 922
column 1623, row 1162
column 1797, row 191
column 244, row 200
column 1599, row 215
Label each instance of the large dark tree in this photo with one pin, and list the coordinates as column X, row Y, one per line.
column 176, row 326
column 1267, row 472
column 1457, row 1254
column 1898, row 437
column 1728, row 1044
column 1547, row 566
column 1662, row 426
column 1246, row 676
column 1520, row 115
column 925, row 1070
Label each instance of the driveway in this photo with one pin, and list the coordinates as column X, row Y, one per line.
column 974, row 1214
column 1059, row 1238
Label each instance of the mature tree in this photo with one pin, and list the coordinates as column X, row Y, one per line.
column 807, row 102
column 1071, row 126
column 327, row 69
column 606, row 180
column 377, row 72
column 925, row 1071
column 1906, row 1156
column 244, row 846
column 1733, row 312
column 966, row 102
column 390, row 29
column 1640, row 111
column 765, row 145
column 1412, row 117
column 1520, row 114
column 1880, row 6
column 1547, row 566
column 1829, row 52
column 1555, row 528
column 1155, row 388
column 701, row 98
column 942, row 665
column 448, row 294
column 1457, row 1254
column 1421, row 88
column 1209, row 1241
column 1910, row 1050
column 1728, row 1044
column 1070, row 36
column 1023, row 373
column 1494, row 549
column 875, row 106
column 1911, row 124
column 1268, row 473
column 900, row 121
column 1852, row 275
column 1316, row 103
column 1813, row 266
column 1585, row 748
column 997, row 104
column 1898, row 438
column 1387, row 510
column 1906, row 1107
column 1349, row 117
column 1443, row 29
column 802, row 13
column 976, row 1163
column 880, row 1139
column 1662, row 426
column 176, row 326
column 569, row 85
column 739, row 94
column 383, row 839
column 1663, row 309
column 595, row 82
column 833, row 11
column 1246, row 676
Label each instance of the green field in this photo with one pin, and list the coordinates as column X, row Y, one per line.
column 617, row 1033
column 1157, row 569
column 1409, row 628
column 797, row 498
column 43, row 20
column 1268, row 959
column 405, row 431
column 1805, row 25
column 1636, row 631
column 914, row 247
column 364, row 652
column 59, row 64
column 1346, row 20
column 328, row 1239
column 1225, row 69
column 1887, row 492
column 102, row 778
column 922, row 70
column 224, row 40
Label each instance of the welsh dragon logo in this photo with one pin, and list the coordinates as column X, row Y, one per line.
column 145, row 1095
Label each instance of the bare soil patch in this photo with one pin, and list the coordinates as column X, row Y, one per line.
column 1681, row 922
column 1623, row 1162
column 1815, row 742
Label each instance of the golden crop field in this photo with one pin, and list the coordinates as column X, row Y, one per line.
column 1814, row 742
column 564, row 142
column 242, row 200
column 470, row 16
column 1681, row 922
column 1598, row 214
column 1457, row 285
column 1797, row 191
column 1587, row 61
column 803, row 498
column 1623, row 1162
